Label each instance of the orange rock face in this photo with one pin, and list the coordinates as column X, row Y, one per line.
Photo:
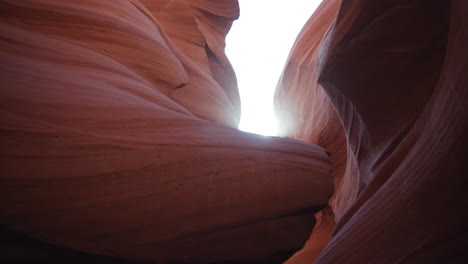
column 380, row 84
column 118, row 135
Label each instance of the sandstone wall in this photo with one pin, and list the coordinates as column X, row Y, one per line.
column 383, row 86
column 119, row 137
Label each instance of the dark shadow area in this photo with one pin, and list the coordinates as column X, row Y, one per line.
column 16, row 247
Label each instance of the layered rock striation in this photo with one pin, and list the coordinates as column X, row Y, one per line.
column 119, row 135
column 382, row 86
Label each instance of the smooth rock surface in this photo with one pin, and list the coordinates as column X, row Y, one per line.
column 119, row 140
column 383, row 86
column 118, row 137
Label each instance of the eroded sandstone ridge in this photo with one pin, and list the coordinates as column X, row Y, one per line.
column 118, row 134
column 119, row 137
column 383, row 86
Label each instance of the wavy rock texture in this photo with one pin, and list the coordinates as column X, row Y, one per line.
column 118, row 137
column 383, row 86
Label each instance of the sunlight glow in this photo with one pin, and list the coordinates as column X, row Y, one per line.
column 258, row 46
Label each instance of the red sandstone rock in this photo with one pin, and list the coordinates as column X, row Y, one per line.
column 391, row 76
column 118, row 133
column 114, row 137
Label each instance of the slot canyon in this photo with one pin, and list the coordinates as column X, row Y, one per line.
column 120, row 142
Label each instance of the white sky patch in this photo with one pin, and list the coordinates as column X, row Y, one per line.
column 258, row 45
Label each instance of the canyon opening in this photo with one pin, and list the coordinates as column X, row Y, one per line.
column 258, row 45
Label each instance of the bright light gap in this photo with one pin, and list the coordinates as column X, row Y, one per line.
column 258, row 45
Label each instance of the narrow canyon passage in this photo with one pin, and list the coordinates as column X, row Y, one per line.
column 120, row 142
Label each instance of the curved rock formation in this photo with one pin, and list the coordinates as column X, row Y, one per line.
column 382, row 86
column 119, row 136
